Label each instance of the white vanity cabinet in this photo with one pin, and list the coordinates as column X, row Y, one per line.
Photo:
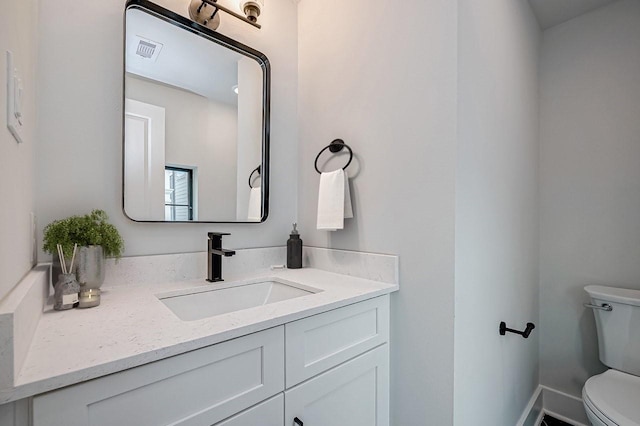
column 201, row 387
column 267, row 413
column 328, row 369
column 355, row 393
column 337, row 369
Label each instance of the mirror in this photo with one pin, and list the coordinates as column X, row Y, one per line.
column 196, row 122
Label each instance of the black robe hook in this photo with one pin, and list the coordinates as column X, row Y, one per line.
column 527, row 331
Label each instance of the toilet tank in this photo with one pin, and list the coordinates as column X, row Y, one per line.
column 618, row 329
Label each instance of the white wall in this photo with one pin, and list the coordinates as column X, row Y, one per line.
column 590, row 181
column 80, row 108
column 496, row 211
column 18, row 34
column 383, row 78
column 200, row 133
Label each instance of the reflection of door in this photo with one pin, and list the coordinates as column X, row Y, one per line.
column 144, row 130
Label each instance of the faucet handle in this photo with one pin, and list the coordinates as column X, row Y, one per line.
column 217, row 234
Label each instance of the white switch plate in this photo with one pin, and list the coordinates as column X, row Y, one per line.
column 15, row 120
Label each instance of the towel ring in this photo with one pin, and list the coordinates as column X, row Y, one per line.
column 257, row 169
column 335, row 146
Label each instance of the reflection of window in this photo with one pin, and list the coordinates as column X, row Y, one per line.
column 178, row 194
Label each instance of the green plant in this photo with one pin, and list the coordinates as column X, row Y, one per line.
column 89, row 230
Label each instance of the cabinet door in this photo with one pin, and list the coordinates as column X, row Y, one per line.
column 267, row 413
column 202, row 387
column 355, row 393
column 318, row 343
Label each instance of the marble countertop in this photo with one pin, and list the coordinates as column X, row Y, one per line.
column 132, row 327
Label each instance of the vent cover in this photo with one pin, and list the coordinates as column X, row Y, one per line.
column 148, row 49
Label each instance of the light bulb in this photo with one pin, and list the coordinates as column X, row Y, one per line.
column 252, row 8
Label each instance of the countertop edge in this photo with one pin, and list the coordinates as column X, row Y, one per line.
column 25, row 390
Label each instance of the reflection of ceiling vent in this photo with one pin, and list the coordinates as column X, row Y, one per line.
column 145, row 49
column 148, row 49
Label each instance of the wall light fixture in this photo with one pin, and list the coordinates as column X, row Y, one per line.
column 206, row 12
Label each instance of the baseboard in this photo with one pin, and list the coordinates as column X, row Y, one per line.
column 533, row 412
column 560, row 405
column 563, row 406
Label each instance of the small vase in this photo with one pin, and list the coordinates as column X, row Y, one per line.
column 91, row 265
column 66, row 294
column 56, row 269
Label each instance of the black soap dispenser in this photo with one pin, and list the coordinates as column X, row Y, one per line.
column 294, row 249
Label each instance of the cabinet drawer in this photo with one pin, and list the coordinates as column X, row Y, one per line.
column 317, row 343
column 268, row 413
column 197, row 388
column 355, row 393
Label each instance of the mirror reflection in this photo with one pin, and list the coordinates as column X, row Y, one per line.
column 194, row 125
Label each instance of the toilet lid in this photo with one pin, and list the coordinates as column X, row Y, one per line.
column 616, row 395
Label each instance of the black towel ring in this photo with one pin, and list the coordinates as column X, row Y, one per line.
column 335, row 146
column 257, row 169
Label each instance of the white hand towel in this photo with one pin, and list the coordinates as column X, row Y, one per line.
column 334, row 200
column 348, row 208
column 255, row 205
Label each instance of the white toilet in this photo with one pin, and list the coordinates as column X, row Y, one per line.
column 613, row 397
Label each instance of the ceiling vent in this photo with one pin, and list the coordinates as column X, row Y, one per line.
column 148, row 49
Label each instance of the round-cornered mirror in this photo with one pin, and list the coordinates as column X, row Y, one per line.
column 196, row 122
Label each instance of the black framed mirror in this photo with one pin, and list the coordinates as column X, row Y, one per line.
column 195, row 122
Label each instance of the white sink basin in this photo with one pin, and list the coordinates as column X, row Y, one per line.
column 199, row 303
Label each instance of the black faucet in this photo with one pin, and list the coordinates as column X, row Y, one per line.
column 214, row 254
